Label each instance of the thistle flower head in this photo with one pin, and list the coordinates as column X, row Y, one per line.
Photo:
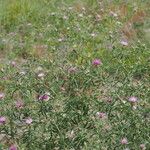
column 28, row 121
column 96, row 62
column 132, row 99
column 19, row 104
column 44, row 97
column 124, row 141
column 101, row 115
column 13, row 147
column 2, row 120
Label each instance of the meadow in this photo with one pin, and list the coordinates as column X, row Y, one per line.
column 74, row 75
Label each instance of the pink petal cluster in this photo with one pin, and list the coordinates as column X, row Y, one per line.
column 101, row 115
column 19, row 104
column 28, row 120
column 13, row 63
column 96, row 62
column 2, row 120
column 44, row 97
column 13, row 147
column 124, row 141
column 133, row 99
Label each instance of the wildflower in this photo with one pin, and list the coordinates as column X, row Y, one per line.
column 96, row 62
column 2, row 120
column 19, row 104
column 124, row 43
column 13, row 63
column 101, row 115
column 28, row 121
column 2, row 95
column 142, row 146
column 12, row 147
column 124, row 141
column 132, row 99
column 44, row 97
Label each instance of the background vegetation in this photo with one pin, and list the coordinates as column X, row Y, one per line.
column 53, row 94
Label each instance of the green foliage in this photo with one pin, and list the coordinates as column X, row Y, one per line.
column 47, row 48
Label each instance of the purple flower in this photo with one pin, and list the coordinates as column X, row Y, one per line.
column 28, row 120
column 96, row 62
column 124, row 141
column 13, row 63
column 44, row 97
column 2, row 120
column 19, row 104
column 133, row 99
column 101, row 115
column 2, row 95
column 13, row 147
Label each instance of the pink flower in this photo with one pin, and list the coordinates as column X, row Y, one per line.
column 124, row 43
column 142, row 146
column 2, row 95
column 13, row 147
column 101, row 115
column 2, row 120
column 13, row 63
column 44, row 97
column 96, row 62
column 19, row 104
column 124, row 141
column 132, row 99
column 28, row 121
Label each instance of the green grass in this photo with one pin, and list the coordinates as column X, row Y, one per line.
column 58, row 36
